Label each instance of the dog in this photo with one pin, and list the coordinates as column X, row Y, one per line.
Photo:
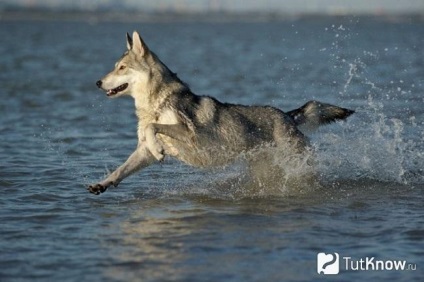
column 197, row 130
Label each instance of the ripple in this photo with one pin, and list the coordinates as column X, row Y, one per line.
column 415, row 235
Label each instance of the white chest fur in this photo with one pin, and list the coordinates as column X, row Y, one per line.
column 168, row 117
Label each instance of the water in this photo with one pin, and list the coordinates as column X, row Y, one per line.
column 175, row 223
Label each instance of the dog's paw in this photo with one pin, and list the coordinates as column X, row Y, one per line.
column 96, row 189
column 157, row 150
column 101, row 187
column 158, row 153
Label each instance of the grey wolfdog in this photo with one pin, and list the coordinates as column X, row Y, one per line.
column 197, row 130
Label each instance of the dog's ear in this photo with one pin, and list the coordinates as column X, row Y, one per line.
column 129, row 42
column 138, row 46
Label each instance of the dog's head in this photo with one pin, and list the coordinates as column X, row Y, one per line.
column 132, row 71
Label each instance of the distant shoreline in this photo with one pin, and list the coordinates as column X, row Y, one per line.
column 126, row 16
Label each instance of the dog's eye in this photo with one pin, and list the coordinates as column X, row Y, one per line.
column 122, row 67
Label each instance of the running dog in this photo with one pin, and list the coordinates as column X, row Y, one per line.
column 198, row 130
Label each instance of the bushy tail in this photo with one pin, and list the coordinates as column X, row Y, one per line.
column 313, row 114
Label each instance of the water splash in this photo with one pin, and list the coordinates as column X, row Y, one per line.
column 266, row 171
column 372, row 145
column 384, row 140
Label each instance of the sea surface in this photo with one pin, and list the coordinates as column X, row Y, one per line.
column 171, row 222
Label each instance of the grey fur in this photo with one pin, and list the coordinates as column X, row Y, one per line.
column 198, row 130
column 314, row 114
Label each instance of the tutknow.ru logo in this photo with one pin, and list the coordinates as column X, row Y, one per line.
column 331, row 264
column 328, row 263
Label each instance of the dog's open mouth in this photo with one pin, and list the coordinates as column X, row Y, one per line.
column 116, row 90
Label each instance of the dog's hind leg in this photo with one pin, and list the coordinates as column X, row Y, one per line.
column 175, row 131
column 139, row 159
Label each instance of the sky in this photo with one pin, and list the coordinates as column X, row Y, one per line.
column 282, row 6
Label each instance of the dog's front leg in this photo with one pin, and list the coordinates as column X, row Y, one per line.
column 154, row 145
column 175, row 131
column 139, row 159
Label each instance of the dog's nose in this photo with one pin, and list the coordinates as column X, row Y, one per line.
column 99, row 83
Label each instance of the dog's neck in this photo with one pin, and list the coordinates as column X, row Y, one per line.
column 154, row 98
column 162, row 83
